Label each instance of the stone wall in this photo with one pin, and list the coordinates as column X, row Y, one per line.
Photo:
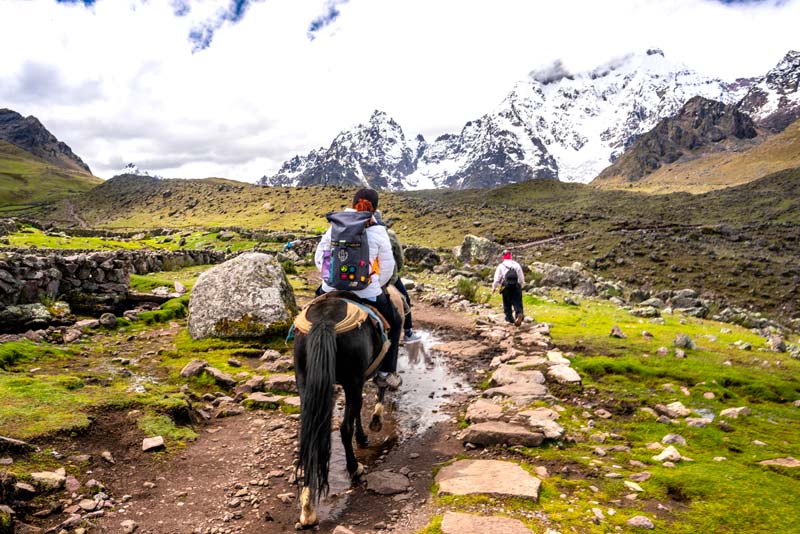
column 89, row 280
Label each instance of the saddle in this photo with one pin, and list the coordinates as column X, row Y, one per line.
column 358, row 311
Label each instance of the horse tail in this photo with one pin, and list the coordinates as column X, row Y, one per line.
column 317, row 403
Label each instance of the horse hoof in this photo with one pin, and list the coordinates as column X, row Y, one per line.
column 359, row 472
column 376, row 425
column 363, row 442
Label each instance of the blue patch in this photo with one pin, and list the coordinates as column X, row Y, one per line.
column 202, row 35
column 87, row 3
column 326, row 19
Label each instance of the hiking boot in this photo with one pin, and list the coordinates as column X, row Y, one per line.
column 412, row 336
column 519, row 320
column 392, row 381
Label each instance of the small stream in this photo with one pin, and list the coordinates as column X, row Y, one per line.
column 428, row 384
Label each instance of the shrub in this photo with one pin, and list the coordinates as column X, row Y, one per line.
column 289, row 267
column 471, row 290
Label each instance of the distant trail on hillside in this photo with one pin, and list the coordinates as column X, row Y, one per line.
column 548, row 240
column 74, row 215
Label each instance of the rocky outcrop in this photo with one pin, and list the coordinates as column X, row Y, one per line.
column 29, row 134
column 699, row 124
column 476, row 250
column 774, row 102
column 248, row 296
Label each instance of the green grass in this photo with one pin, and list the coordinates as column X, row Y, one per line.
column 164, row 426
column 176, row 308
column 26, row 180
column 15, row 352
column 186, row 276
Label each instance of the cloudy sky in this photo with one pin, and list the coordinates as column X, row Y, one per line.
column 196, row 88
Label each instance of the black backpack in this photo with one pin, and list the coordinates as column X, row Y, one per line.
column 511, row 279
column 347, row 266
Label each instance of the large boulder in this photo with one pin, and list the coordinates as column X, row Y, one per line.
column 475, row 250
column 245, row 297
column 422, row 256
column 550, row 275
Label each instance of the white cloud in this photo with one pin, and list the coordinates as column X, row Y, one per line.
column 119, row 81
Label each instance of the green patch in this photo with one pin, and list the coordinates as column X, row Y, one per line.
column 15, row 352
column 177, row 308
column 162, row 425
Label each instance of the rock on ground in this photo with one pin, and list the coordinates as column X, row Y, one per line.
column 564, row 374
column 387, row 483
column 735, row 413
column 476, row 249
column 640, row 521
column 153, row 444
column 498, row 433
column 483, row 410
column 248, row 296
column 458, row 523
column 491, row 477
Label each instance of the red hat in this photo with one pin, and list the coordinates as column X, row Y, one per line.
column 506, row 254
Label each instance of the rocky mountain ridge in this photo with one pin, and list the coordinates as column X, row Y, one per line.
column 31, row 135
column 700, row 124
column 552, row 125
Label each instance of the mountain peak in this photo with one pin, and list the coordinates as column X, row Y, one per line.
column 133, row 169
column 29, row 134
column 774, row 102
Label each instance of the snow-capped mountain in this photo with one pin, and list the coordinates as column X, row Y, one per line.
column 375, row 154
column 132, row 168
column 552, row 125
column 774, row 102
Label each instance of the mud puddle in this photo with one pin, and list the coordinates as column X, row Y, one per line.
column 429, row 384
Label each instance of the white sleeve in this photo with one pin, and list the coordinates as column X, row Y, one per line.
column 498, row 277
column 385, row 256
column 325, row 240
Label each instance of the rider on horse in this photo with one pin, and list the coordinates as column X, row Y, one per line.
column 382, row 259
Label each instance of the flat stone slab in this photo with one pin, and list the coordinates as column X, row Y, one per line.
column 564, row 374
column 483, row 410
column 461, row 349
column 387, row 483
column 782, row 462
column 521, row 392
column 263, row 401
column 500, row 433
column 508, row 374
column 458, row 523
column 490, row 477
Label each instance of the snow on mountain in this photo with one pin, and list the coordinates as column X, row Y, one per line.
column 554, row 124
column 774, row 102
column 132, row 168
column 376, row 154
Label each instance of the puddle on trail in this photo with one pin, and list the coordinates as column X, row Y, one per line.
column 428, row 385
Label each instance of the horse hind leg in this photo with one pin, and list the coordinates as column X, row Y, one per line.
column 308, row 515
column 376, row 424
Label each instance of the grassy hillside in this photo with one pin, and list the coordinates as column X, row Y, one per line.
column 741, row 243
column 708, row 171
column 27, row 181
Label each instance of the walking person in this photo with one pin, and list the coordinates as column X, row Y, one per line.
column 509, row 278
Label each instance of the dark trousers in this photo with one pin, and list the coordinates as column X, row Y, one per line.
column 407, row 324
column 512, row 298
column 384, row 306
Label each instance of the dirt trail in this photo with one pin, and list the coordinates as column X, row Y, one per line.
column 237, row 476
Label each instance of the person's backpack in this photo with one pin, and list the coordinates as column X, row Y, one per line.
column 511, row 278
column 346, row 265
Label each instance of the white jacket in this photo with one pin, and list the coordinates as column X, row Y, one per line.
column 379, row 247
column 502, row 269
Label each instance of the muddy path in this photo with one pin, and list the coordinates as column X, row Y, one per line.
column 238, row 475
